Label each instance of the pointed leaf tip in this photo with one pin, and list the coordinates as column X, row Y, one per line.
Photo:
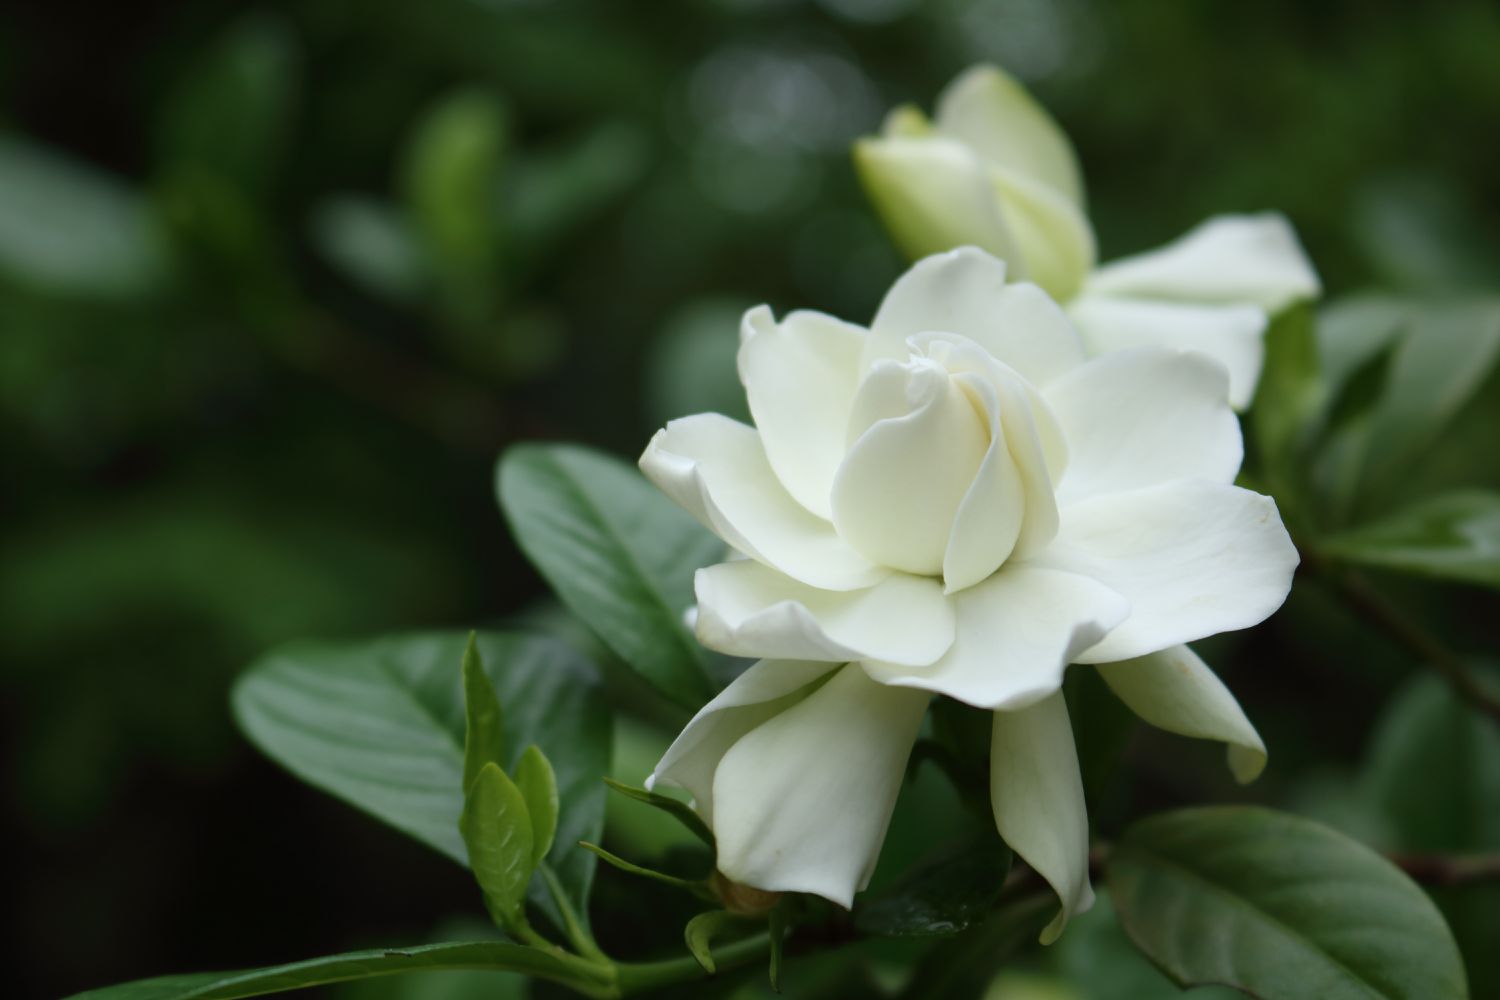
column 538, row 784
column 484, row 721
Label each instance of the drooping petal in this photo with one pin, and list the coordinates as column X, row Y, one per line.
column 1144, row 416
column 716, row 469
column 1233, row 335
column 1053, row 235
column 745, row 609
column 991, row 112
column 801, row 803
column 917, row 445
column 1017, row 632
column 932, row 194
column 1037, row 795
column 1194, row 558
column 800, row 376
column 757, row 695
column 964, row 292
column 1176, row 691
column 1251, row 259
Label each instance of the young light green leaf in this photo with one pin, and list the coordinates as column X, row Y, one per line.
column 451, row 173
column 680, row 811
column 498, row 956
column 944, row 897
column 1455, row 537
column 617, row 552
column 484, row 720
column 497, row 830
column 380, row 724
column 1288, row 395
column 700, row 932
column 538, row 787
column 1278, row 906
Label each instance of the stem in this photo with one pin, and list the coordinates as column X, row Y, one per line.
column 572, row 926
column 637, row 977
column 1449, row 869
column 1370, row 605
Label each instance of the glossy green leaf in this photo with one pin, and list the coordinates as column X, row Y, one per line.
column 1452, row 537
column 700, row 932
column 496, row 827
column 484, row 719
column 1278, row 906
column 678, row 810
column 486, row 955
column 67, row 228
column 538, row 786
column 617, row 552
column 941, row 898
column 380, row 724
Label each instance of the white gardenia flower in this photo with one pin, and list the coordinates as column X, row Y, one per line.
column 953, row 501
column 994, row 170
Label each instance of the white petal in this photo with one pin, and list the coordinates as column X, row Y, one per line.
column 1251, row 259
column 1017, row 632
column 932, row 194
column 802, row 802
column 1037, row 795
column 1020, row 418
column 919, row 445
column 1176, row 691
column 716, row 469
column 990, row 519
column 758, row 694
column 1193, row 558
column 964, row 292
column 800, row 376
column 993, row 113
column 745, row 609
column 1144, row 416
column 1053, row 235
column 1233, row 335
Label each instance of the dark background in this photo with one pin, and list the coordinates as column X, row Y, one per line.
column 279, row 281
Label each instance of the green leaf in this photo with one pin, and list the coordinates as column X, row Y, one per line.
column 380, row 724
column 484, row 721
column 618, row 553
column 698, row 888
column 680, row 811
column 495, row 956
column 1287, row 397
column 1278, row 906
column 961, row 967
column 778, row 924
column 941, row 898
column 700, row 932
column 538, row 787
column 69, row 229
column 373, row 245
column 231, row 112
column 1452, row 537
column 497, row 830
column 451, row 175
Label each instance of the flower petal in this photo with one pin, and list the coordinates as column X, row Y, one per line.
column 758, row 694
column 1233, row 335
column 993, row 114
column 1193, row 558
column 802, row 802
column 1017, row 632
column 1176, row 691
column 716, row 469
column 1037, row 794
column 932, row 194
column 1251, row 259
column 964, row 292
column 1144, row 416
column 745, row 609
column 1054, row 236
column 800, row 376
column 918, row 445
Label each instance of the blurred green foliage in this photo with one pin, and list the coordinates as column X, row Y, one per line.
column 279, row 280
